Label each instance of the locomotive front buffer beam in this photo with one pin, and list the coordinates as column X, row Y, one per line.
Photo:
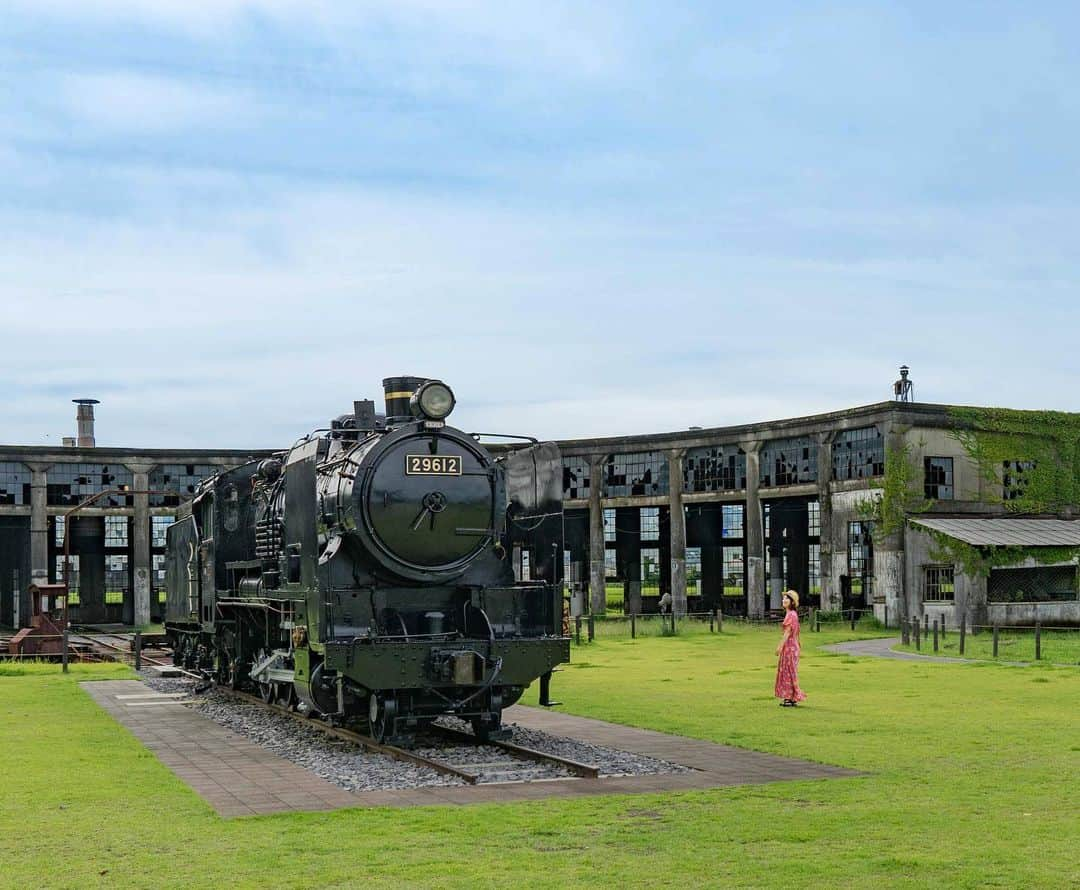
column 422, row 665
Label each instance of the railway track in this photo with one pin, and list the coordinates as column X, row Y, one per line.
column 118, row 647
column 466, row 757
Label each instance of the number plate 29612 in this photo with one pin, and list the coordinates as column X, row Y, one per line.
column 433, row 464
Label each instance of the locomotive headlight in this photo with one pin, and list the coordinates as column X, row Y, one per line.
column 433, row 400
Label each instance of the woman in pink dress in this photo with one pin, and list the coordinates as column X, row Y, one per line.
column 787, row 669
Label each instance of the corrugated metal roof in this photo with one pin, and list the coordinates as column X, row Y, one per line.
column 1008, row 532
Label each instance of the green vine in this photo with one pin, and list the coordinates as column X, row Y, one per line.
column 1049, row 443
column 900, row 494
column 978, row 561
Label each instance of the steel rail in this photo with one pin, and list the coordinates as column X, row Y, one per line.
column 584, row 770
column 365, row 742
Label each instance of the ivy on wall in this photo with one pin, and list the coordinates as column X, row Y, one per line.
column 1049, row 440
column 900, row 495
column 978, row 561
column 995, row 439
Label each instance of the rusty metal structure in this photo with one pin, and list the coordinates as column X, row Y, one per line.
column 48, row 621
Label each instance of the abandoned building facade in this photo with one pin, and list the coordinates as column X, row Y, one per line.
column 872, row 508
column 891, row 507
column 113, row 505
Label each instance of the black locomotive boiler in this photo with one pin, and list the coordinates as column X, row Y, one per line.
column 367, row 573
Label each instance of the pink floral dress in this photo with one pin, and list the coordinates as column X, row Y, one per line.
column 787, row 669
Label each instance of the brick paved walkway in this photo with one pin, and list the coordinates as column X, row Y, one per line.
column 237, row 777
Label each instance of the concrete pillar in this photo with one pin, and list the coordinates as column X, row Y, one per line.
column 141, row 544
column 677, row 524
column 755, row 535
column 889, row 559
column 597, row 573
column 39, row 523
column 977, row 609
column 830, row 594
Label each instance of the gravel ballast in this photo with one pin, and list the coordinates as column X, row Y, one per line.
column 345, row 765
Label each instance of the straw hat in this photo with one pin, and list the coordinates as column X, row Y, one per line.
column 793, row 596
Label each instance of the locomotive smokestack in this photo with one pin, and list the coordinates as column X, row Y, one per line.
column 397, row 391
column 84, row 420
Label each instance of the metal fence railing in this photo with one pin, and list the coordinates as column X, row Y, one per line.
column 1017, row 643
column 586, row 628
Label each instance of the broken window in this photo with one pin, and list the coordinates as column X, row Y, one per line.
column 159, row 526
column 116, row 531
column 858, row 454
column 789, row 461
column 650, row 571
column 938, row 478
column 714, row 468
column 938, row 584
column 1015, row 477
column 734, row 569
column 116, row 579
column 731, row 520
column 644, row 473
column 813, row 560
column 14, row 483
column 693, row 571
column 73, row 576
column 611, row 566
column 861, row 558
column 813, row 519
column 575, row 478
column 609, row 524
column 178, row 480
column 59, row 522
column 158, row 575
column 70, row 484
column 650, row 523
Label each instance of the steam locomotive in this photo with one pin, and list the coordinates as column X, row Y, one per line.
column 367, row 573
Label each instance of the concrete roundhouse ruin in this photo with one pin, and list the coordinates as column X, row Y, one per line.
column 903, row 508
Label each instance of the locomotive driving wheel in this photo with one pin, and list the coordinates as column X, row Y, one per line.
column 382, row 714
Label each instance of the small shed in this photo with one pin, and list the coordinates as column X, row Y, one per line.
column 1045, row 589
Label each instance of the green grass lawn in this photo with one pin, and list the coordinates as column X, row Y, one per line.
column 1059, row 645
column 970, row 780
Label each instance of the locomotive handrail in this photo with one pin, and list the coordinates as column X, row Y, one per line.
column 506, row 436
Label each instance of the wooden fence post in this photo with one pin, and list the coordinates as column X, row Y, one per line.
column 719, row 620
column 935, row 635
column 64, row 653
column 1038, row 640
column 577, row 629
column 853, row 618
column 633, row 625
column 592, row 628
column 712, row 622
column 905, row 632
column 963, row 631
column 995, row 640
column 918, row 636
column 138, row 650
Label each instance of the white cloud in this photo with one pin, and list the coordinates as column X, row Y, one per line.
column 123, row 101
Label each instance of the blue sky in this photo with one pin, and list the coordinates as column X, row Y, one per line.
column 227, row 220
